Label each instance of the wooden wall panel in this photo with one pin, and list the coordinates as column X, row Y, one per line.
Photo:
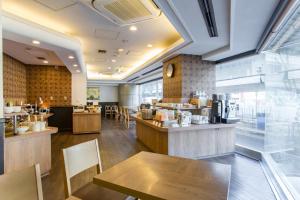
column 51, row 83
column 14, row 80
column 172, row 87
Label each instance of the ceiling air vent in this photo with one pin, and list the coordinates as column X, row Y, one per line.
column 207, row 10
column 124, row 12
column 102, row 51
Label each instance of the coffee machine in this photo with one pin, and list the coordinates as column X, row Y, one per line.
column 229, row 110
column 216, row 110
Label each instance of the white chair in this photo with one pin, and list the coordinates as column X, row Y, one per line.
column 24, row 184
column 79, row 158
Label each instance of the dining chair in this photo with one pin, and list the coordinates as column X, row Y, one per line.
column 25, row 184
column 107, row 110
column 120, row 113
column 114, row 109
column 123, row 115
column 80, row 158
column 117, row 112
column 128, row 118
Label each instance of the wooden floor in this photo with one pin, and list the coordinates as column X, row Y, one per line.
column 117, row 143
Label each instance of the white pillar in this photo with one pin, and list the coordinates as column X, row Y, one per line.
column 79, row 87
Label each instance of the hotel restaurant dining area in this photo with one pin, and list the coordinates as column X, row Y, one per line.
column 150, row 100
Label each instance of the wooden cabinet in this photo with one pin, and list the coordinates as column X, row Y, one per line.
column 195, row 141
column 23, row 151
column 86, row 123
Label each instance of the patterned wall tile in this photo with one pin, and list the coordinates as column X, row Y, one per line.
column 51, row 83
column 27, row 83
column 191, row 74
column 14, row 80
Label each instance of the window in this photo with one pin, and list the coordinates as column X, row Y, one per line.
column 244, row 80
column 151, row 90
column 267, row 90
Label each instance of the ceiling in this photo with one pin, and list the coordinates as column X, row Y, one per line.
column 29, row 54
column 240, row 25
column 180, row 28
column 75, row 18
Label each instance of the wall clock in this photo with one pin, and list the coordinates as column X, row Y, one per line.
column 170, row 70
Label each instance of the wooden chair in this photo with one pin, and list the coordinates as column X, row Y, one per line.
column 120, row 113
column 128, row 118
column 114, row 111
column 108, row 111
column 24, row 184
column 117, row 112
column 123, row 115
column 80, row 158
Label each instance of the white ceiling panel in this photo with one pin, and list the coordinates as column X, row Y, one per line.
column 106, row 34
column 28, row 54
column 57, row 4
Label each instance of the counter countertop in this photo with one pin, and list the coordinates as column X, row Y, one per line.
column 189, row 128
column 49, row 130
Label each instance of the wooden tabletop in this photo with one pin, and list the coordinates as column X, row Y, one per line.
column 151, row 176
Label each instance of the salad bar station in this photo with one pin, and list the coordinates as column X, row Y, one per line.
column 27, row 138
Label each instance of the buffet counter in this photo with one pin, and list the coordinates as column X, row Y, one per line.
column 25, row 150
column 194, row 141
column 86, row 122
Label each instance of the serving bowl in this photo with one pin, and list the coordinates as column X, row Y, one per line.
column 22, row 129
column 8, row 110
column 17, row 108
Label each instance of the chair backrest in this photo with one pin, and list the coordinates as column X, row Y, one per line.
column 23, row 184
column 126, row 112
column 79, row 158
column 107, row 107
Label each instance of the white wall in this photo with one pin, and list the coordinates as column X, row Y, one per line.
column 79, row 87
column 109, row 93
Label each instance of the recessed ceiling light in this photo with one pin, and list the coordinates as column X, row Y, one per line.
column 113, row 60
column 75, row 65
column 71, row 57
column 35, row 42
column 120, row 50
column 45, row 61
column 149, row 45
column 133, row 28
column 109, row 68
column 78, row 70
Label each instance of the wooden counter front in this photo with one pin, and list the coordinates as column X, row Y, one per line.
column 195, row 141
column 86, row 123
column 21, row 151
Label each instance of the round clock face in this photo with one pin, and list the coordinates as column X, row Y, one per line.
column 170, row 70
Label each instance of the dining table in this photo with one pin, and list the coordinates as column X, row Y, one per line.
column 152, row 176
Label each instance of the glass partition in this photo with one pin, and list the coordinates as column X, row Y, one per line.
column 244, row 80
column 151, row 90
column 267, row 90
column 282, row 139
